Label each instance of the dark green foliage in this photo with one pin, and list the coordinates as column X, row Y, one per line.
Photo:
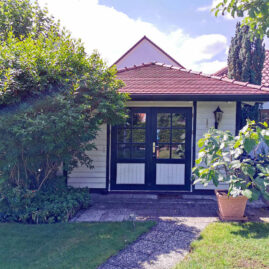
column 246, row 57
column 249, row 112
column 245, row 63
column 53, row 98
column 54, row 203
column 24, row 18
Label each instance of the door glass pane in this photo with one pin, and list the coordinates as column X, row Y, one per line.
column 124, row 151
column 178, row 120
column 139, row 135
column 178, row 135
column 163, row 120
column 163, row 135
column 124, row 135
column 138, row 151
column 139, row 120
column 128, row 122
column 178, row 151
column 163, row 152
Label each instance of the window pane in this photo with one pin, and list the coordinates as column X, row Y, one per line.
column 178, row 136
column 138, row 152
column 178, row 151
column 178, row 120
column 124, row 135
column 163, row 119
column 139, row 120
column 163, row 152
column 163, row 135
column 124, row 151
column 139, row 135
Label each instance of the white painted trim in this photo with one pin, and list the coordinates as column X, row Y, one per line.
column 159, row 104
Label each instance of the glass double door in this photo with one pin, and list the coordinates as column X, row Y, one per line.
column 152, row 151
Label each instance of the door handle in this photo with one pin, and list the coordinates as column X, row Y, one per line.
column 153, row 147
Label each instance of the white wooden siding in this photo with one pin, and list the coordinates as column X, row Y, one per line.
column 93, row 178
column 206, row 120
column 130, row 173
column 144, row 52
column 170, row 174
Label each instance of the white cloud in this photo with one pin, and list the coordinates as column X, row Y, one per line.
column 213, row 67
column 112, row 33
column 204, row 8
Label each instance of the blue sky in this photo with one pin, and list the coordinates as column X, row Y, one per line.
column 186, row 30
column 167, row 15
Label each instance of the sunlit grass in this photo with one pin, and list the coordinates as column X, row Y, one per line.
column 230, row 245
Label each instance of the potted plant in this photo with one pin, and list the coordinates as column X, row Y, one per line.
column 241, row 162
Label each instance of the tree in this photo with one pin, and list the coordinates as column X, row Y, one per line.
column 255, row 13
column 24, row 18
column 53, row 100
column 246, row 56
column 245, row 63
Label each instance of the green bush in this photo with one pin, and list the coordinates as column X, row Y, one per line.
column 54, row 203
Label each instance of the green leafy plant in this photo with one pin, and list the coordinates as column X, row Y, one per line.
column 255, row 13
column 53, row 97
column 242, row 162
column 54, row 203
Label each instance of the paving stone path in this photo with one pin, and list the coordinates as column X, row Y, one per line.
column 179, row 222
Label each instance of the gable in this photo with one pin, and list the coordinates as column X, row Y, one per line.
column 145, row 51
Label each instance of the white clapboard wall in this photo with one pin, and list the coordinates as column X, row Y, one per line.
column 205, row 120
column 93, row 178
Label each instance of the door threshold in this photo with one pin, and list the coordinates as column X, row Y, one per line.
column 159, row 192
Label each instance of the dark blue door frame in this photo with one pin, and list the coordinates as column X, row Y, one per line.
column 151, row 160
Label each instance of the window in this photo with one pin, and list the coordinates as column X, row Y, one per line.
column 171, row 134
column 131, row 137
column 264, row 115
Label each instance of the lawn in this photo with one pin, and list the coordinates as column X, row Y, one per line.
column 230, row 245
column 69, row 245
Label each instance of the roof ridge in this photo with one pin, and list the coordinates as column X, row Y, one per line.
column 222, row 78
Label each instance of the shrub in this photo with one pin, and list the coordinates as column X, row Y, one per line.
column 53, row 97
column 242, row 162
column 54, row 203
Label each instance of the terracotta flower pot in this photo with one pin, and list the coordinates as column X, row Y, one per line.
column 231, row 208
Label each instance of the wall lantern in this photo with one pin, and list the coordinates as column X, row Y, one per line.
column 218, row 116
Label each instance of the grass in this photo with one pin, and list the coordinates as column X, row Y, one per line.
column 230, row 245
column 69, row 245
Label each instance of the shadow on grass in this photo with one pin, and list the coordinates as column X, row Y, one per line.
column 252, row 230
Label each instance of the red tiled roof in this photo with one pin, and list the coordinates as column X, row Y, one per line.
column 160, row 79
column 222, row 72
column 265, row 71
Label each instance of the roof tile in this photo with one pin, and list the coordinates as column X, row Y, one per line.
column 158, row 79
